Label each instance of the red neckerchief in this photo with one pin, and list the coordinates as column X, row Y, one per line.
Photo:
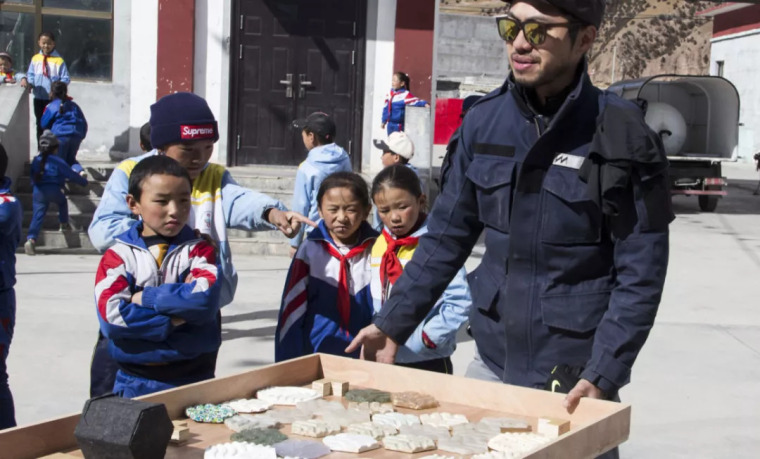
column 344, row 298
column 390, row 266
column 45, row 70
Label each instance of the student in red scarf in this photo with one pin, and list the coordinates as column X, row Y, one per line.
column 400, row 205
column 46, row 67
column 327, row 297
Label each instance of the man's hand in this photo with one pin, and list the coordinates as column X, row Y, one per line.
column 24, row 83
column 584, row 388
column 207, row 237
column 288, row 222
column 376, row 345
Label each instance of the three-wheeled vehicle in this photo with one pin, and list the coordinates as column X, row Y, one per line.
column 697, row 118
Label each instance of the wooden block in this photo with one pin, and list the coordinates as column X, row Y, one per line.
column 180, row 434
column 323, row 386
column 552, row 427
column 339, row 388
column 58, row 456
column 180, row 423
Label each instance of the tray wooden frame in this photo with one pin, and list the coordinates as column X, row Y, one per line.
column 596, row 425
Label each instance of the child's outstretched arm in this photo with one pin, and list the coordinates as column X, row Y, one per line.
column 197, row 299
column 301, row 201
column 119, row 317
column 414, row 101
column 244, row 208
column 439, row 333
column 64, row 168
column 290, row 336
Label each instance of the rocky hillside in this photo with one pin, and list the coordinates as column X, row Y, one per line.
column 639, row 37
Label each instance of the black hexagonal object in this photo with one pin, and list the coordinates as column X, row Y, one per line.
column 118, row 428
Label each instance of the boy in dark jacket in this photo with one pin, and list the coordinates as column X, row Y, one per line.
column 10, row 235
column 156, row 289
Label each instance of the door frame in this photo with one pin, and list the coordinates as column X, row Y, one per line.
column 357, row 108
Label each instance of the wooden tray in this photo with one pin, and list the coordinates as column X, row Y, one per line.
column 596, row 426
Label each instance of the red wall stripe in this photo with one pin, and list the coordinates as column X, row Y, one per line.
column 176, row 46
column 413, row 50
column 737, row 21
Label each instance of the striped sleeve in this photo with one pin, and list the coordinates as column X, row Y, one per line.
column 414, row 101
column 290, row 336
column 119, row 317
column 195, row 300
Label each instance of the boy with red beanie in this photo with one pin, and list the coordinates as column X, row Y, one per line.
column 183, row 127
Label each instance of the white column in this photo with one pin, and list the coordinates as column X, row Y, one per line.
column 143, row 66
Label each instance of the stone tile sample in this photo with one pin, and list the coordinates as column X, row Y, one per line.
column 413, row 400
column 302, row 449
column 287, row 395
column 266, row 437
column 248, row 406
column 215, row 414
column 447, row 420
column 508, row 424
column 249, row 421
column 347, row 417
column 372, row 407
column 239, row 450
column 436, row 433
column 351, row 443
column 395, row 419
column 368, row 395
column 408, row 443
column 519, row 443
column 316, row 428
column 376, row 431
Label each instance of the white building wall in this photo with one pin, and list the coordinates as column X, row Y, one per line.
column 212, row 64
column 143, row 66
column 381, row 30
column 740, row 54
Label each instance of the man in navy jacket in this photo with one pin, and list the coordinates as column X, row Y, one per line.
column 575, row 220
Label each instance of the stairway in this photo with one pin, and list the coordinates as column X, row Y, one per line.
column 276, row 182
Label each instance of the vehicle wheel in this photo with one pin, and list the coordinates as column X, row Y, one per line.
column 708, row 203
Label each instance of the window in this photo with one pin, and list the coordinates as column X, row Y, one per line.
column 83, row 32
column 719, row 68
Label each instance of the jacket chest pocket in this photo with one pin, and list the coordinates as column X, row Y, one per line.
column 493, row 182
column 569, row 215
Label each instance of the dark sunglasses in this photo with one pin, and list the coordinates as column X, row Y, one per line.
column 535, row 32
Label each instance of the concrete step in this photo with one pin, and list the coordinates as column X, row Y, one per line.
column 93, row 189
column 70, row 242
column 255, row 246
column 78, row 221
column 269, row 178
column 96, row 170
column 77, row 203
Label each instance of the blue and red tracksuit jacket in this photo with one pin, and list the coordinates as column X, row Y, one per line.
column 144, row 334
column 313, row 316
column 396, row 101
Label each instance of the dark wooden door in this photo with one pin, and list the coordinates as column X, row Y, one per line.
column 294, row 57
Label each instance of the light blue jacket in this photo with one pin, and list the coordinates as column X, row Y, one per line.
column 57, row 71
column 441, row 324
column 321, row 162
column 243, row 209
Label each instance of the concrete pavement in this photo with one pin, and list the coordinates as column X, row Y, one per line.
column 694, row 388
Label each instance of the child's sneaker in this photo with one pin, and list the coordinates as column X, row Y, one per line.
column 64, row 227
column 83, row 174
column 29, row 247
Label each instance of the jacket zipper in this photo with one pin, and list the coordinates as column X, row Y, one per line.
column 159, row 270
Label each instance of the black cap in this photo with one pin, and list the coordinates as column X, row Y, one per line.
column 48, row 140
column 587, row 11
column 319, row 123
